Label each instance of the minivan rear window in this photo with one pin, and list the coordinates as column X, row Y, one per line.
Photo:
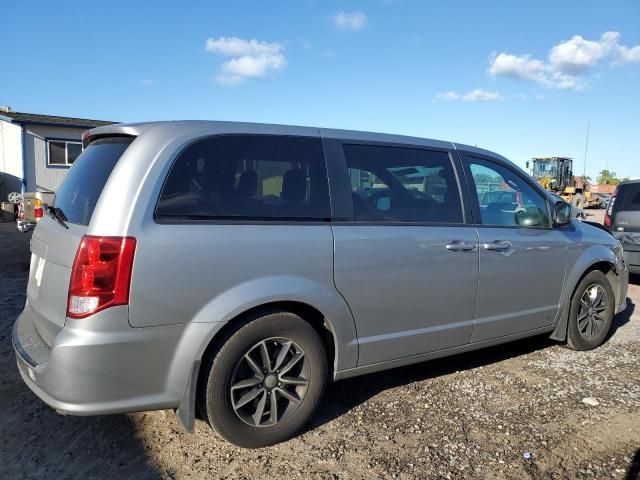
column 81, row 188
column 630, row 200
column 252, row 177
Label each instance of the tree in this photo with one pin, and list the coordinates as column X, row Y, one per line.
column 607, row 177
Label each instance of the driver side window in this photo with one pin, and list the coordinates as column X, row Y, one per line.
column 398, row 184
column 505, row 198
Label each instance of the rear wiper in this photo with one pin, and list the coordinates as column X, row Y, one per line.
column 58, row 215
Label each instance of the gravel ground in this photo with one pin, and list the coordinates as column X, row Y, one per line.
column 513, row 411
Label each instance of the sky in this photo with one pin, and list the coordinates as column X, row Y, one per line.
column 522, row 79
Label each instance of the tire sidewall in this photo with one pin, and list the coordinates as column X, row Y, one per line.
column 219, row 409
column 575, row 337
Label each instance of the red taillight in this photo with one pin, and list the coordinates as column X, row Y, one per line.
column 101, row 275
column 38, row 212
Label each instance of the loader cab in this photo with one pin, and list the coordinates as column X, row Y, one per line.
column 557, row 170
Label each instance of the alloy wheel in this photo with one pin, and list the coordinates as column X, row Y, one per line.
column 592, row 311
column 269, row 382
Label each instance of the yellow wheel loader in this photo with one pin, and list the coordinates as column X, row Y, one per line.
column 556, row 175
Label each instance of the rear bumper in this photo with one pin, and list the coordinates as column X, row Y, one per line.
column 112, row 368
column 623, row 287
column 632, row 259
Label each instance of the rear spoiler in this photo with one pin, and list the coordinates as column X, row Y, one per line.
column 115, row 130
column 88, row 137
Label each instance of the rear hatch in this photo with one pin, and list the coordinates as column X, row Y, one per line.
column 55, row 240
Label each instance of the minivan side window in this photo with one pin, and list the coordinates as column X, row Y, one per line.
column 505, row 198
column 398, row 184
column 247, row 177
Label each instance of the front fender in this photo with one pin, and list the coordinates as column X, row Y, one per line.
column 585, row 262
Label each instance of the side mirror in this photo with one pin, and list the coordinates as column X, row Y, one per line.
column 528, row 217
column 527, row 165
column 562, row 214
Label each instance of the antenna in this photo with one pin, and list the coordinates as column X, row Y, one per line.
column 586, row 147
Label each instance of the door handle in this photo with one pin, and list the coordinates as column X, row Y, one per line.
column 497, row 246
column 460, row 246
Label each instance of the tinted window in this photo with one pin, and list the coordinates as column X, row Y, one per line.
column 402, row 184
column 505, row 198
column 248, row 176
column 630, row 197
column 81, row 188
column 57, row 153
column 73, row 151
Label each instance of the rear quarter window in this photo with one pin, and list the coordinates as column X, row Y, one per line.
column 259, row 177
column 81, row 188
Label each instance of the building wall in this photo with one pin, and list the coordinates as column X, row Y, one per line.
column 11, row 170
column 40, row 175
column 602, row 188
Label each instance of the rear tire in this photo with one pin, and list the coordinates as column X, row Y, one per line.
column 276, row 358
column 591, row 312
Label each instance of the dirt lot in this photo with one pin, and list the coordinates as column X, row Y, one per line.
column 514, row 411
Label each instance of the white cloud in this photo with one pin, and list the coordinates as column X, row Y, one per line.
column 577, row 56
column 477, row 95
column 250, row 58
column 522, row 67
column 628, row 55
column 569, row 63
column 350, row 20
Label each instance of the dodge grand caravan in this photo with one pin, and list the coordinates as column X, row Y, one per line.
column 230, row 270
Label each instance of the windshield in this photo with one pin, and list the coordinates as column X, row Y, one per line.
column 544, row 168
column 81, row 188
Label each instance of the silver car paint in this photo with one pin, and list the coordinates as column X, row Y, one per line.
column 519, row 288
column 144, row 356
column 386, row 274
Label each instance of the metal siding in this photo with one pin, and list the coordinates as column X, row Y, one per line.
column 30, row 167
column 46, row 177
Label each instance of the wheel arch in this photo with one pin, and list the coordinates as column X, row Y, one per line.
column 307, row 312
column 602, row 263
column 186, row 411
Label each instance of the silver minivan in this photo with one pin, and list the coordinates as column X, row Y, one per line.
column 230, row 270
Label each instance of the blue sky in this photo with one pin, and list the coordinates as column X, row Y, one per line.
column 522, row 79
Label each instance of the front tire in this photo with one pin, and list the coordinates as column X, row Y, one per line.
column 265, row 382
column 591, row 313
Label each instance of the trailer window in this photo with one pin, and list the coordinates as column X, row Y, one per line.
column 63, row 152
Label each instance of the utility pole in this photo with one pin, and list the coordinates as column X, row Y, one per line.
column 586, row 146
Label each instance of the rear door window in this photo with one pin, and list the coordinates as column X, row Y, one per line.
column 259, row 177
column 81, row 188
column 399, row 184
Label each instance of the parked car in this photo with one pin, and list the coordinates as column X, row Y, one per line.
column 31, row 209
column 604, row 199
column 235, row 268
column 622, row 217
